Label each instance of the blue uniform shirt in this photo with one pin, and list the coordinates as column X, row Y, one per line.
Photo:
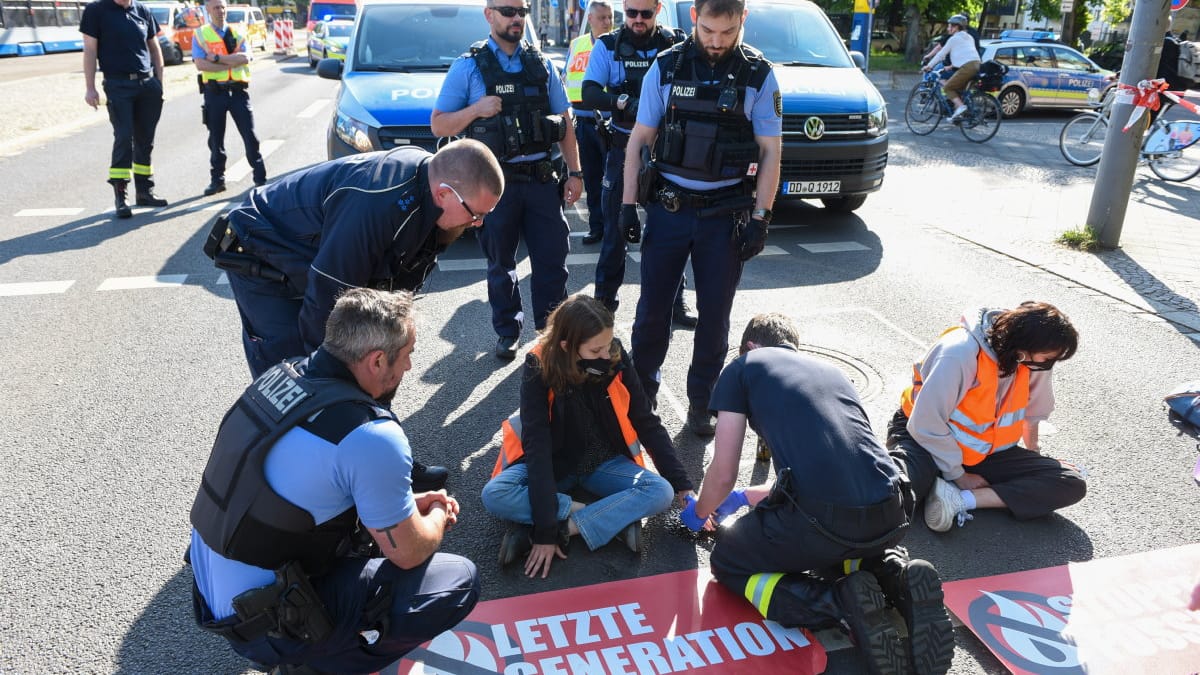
column 121, row 35
column 464, row 86
column 606, row 70
column 760, row 110
column 199, row 53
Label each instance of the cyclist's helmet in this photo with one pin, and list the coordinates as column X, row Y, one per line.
column 959, row 20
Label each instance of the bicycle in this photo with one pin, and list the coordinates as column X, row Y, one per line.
column 927, row 106
column 1081, row 140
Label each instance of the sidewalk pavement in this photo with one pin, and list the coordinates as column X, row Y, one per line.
column 1156, row 269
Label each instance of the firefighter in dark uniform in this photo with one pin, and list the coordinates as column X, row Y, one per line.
column 223, row 59
column 122, row 36
column 613, row 83
column 375, row 220
column 506, row 94
column 310, row 550
column 819, row 546
column 711, row 110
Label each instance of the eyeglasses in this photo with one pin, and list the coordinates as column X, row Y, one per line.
column 508, row 13
column 475, row 217
column 635, row 13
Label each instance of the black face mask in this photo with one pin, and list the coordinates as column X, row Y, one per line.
column 1038, row 366
column 598, row 367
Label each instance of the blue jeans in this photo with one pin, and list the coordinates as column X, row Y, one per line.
column 628, row 492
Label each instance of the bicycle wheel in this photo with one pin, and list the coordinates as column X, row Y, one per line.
column 1176, row 165
column 1082, row 138
column 984, row 121
column 923, row 110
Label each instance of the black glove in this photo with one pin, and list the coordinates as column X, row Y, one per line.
column 752, row 239
column 631, row 108
column 632, row 228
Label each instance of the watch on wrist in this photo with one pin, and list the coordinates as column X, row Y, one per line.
column 761, row 214
column 216, row 58
column 575, row 174
column 622, row 101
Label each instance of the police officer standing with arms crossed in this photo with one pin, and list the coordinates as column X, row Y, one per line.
column 223, row 59
column 614, row 83
column 375, row 220
column 507, row 95
column 310, row 551
column 122, row 36
column 711, row 110
column 592, row 147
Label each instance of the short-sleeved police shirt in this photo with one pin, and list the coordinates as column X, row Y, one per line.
column 810, row 415
column 121, row 34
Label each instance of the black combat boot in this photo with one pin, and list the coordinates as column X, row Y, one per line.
column 120, row 191
column 145, row 192
column 915, row 590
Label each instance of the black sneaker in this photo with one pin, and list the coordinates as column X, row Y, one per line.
column 428, row 478
column 592, row 237
column 700, row 422
column 683, row 316
column 864, row 612
column 516, row 542
column 506, row 347
column 214, row 187
column 915, row 589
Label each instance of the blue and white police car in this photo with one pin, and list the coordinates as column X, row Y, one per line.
column 1043, row 73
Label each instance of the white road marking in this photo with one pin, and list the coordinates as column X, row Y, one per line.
column 313, row 108
column 214, row 206
column 583, row 258
column 223, row 280
column 773, row 250
column 462, row 265
column 35, row 287
column 128, row 283
column 835, row 247
column 23, row 213
column 241, row 168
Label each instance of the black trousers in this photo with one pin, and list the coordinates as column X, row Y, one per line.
column 235, row 102
column 134, row 107
column 1031, row 484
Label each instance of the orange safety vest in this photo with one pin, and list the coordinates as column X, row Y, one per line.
column 981, row 425
column 511, row 449
column 213, row 44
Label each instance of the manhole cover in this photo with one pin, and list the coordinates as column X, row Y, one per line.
column 868, row 382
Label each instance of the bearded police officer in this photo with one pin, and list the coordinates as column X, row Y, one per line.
column 592, row 147
column 710, row 108
column 309, row 550
column 223, row 58
column 613, row 83
column 505, row 93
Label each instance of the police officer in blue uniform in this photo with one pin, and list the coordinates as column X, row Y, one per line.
column 310, row 550
column 122, row 36
column 613, row 83
column 711, row 110
column 376, row 220
column 506, row 94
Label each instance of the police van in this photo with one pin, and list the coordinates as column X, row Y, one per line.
column 394, row 65
column 834, row 120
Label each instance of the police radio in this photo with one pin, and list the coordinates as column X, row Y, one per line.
column 728, row 98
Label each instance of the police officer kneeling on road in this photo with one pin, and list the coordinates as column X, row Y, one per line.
column 310, row 552
column 223, row 59
column 711, row 109
column 819, row 546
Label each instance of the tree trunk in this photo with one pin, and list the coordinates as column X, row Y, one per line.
column 914, row 45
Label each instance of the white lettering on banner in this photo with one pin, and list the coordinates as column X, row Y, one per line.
column 419, row 92
column 683, row 657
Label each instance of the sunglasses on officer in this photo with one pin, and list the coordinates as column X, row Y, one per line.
column 510, row 12
column 632, row 14
column 476, row 218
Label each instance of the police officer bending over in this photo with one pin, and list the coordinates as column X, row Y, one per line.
column 375, row 220
column 509, row 96
column 818, row 548
column 711, row 110
column 306, row 464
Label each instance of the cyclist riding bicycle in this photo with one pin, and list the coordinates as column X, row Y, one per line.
column 964, row 62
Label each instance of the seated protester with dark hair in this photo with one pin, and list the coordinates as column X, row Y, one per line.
column 310, row 552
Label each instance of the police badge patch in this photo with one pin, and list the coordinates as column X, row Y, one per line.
column 778, row 104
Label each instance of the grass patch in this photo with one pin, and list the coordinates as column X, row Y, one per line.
column 892, row 62
column 1081, row 240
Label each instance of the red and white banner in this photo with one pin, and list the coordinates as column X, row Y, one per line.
column 669, row 623
column 1125, row 615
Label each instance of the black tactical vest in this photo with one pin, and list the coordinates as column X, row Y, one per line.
column 620, row 45
column 524, row 125
column 236, row 512
column 705, row 134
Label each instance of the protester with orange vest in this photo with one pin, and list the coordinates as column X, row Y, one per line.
column 982, row 389
column 584, row 421
column 223, row 59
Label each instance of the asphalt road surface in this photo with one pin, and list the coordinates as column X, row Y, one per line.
column 122, row 353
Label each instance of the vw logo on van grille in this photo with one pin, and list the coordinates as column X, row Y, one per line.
column 814, row 128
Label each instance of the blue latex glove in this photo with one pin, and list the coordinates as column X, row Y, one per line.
column 735, row 500
column 688, row 516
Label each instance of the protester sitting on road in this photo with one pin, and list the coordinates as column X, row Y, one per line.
column 964, row 62
column 982, row 388
column 584, row 421
column 310, row 551
column 819, row 547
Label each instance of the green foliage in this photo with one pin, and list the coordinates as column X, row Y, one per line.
column 1045, row 9
column 1083, row 240
column 1116, row 11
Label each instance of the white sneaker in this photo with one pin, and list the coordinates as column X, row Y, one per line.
column 943, row 506
column 959, row 112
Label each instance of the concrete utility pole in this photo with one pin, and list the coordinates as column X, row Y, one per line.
column 1118, row 162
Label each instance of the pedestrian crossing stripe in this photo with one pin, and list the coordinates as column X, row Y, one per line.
column 28, row 213
column 35, row 288
column 129, row 283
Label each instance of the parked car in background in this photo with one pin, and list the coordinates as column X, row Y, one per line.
column 328, row 40
column 885, row 41
column 248, row 21
column 176, row 22
column 1044, row 74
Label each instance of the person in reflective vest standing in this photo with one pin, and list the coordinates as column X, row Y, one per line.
column 223, row 59
column 592, row 147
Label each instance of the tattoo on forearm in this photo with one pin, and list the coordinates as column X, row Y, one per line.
column 388, row 532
